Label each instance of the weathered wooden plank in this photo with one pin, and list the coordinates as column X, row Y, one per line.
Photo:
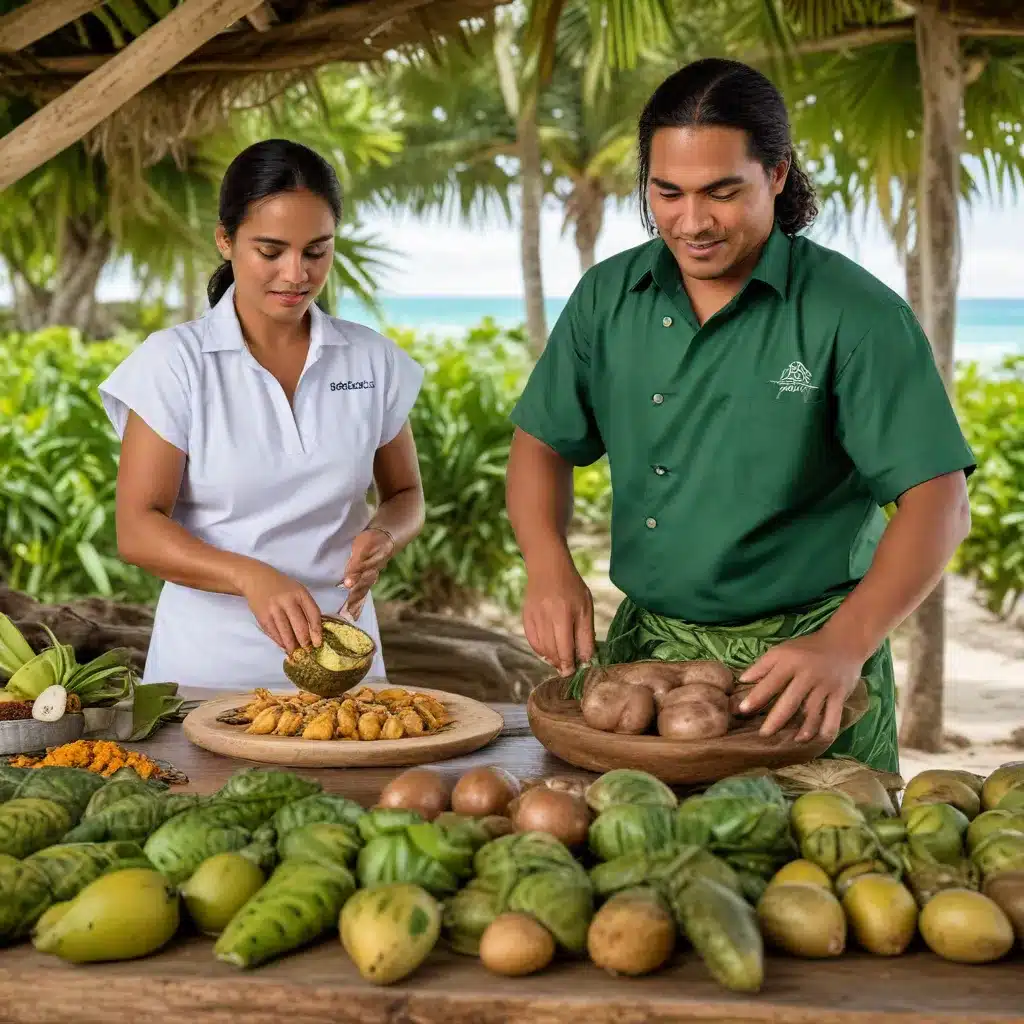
column 184, row 984
column 33, row 21
column 69, row 117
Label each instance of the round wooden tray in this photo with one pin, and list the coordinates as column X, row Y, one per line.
column 558, row 723
column 474, row 726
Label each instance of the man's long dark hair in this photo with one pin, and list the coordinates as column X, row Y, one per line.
column 715, row 92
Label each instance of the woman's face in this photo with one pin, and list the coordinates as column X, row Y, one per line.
column 281, row 255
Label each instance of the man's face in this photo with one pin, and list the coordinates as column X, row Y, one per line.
column 713, row 203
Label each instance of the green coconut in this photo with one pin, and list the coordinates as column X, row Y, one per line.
column 340, row 662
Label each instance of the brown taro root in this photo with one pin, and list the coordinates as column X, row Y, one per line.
column 693, row 720
column 618, row 707
column 697, row 693
column 662, row 677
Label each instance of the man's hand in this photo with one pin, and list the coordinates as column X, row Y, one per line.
column 371, row 550
column 558, row 615
column 812, row 672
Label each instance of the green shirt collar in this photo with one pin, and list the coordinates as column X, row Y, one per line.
column 772, row 267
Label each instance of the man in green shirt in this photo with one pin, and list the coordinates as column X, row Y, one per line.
column 760, row 399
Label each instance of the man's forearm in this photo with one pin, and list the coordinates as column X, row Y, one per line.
column 930, row 523
column 538, row 496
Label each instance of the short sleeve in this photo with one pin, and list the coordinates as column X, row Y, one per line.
column 555, row 404
column 404, row 380
column 152, row 383
column 895, row 418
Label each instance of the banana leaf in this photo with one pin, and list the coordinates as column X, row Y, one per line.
column 623, row 829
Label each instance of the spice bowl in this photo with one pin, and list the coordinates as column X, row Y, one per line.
column 22, row 736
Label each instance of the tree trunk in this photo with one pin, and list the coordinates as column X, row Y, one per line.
column 938, row 247
column 912, row 268
column 85, row 249
column 531, row 182
column 588, row 213
column 30, row 303
column 189, row 290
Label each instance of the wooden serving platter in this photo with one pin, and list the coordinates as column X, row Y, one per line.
column 558, row 723
column 473, row 726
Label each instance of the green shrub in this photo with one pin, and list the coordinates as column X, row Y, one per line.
column 991, row 410
column 58, row 470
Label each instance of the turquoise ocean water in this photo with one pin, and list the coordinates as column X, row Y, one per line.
column 987, row 329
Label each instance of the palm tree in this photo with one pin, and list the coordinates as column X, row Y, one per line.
column 159, row 220
column 959, row 86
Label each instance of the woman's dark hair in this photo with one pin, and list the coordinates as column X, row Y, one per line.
column 263, row 170
column 716, row 92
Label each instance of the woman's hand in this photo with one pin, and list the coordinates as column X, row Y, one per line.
column 370, row 553
column 283, row 607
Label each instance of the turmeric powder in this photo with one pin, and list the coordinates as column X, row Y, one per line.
column 103, row 757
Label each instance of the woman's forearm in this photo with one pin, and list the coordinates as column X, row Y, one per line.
column 402, row 515
column 538, row 496
column 158, row 544
column 930, row 522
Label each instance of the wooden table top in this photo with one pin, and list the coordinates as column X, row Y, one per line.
column 183, row 984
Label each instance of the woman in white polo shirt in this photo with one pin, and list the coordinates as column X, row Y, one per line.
column 251, row 437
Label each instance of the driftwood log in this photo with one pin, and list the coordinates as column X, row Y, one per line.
column 436, row 651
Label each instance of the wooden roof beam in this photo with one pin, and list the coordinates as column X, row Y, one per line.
column 35, row 20
column 71, row 116
column 262, row 17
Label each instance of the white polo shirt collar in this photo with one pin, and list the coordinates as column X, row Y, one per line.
column 222, row 331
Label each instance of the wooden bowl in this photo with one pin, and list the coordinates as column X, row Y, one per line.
column 558, row 723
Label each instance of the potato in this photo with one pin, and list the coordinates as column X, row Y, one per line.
column 713, row 673
column 632, row 934
column 516, row 945
column 484, row 791
column 693, row 721
column 659, row 677
column 697, row 693
column 562, row 815
column 618, row 707
column 418, row 789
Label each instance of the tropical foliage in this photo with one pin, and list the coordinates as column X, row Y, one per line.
column 58, row 468
column 991, row 407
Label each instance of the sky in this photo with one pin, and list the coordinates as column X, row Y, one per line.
column 444, row 259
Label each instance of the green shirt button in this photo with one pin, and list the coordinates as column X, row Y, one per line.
column 666, row 321
column 657, row 399
column 651, row 522
column 660, row 470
